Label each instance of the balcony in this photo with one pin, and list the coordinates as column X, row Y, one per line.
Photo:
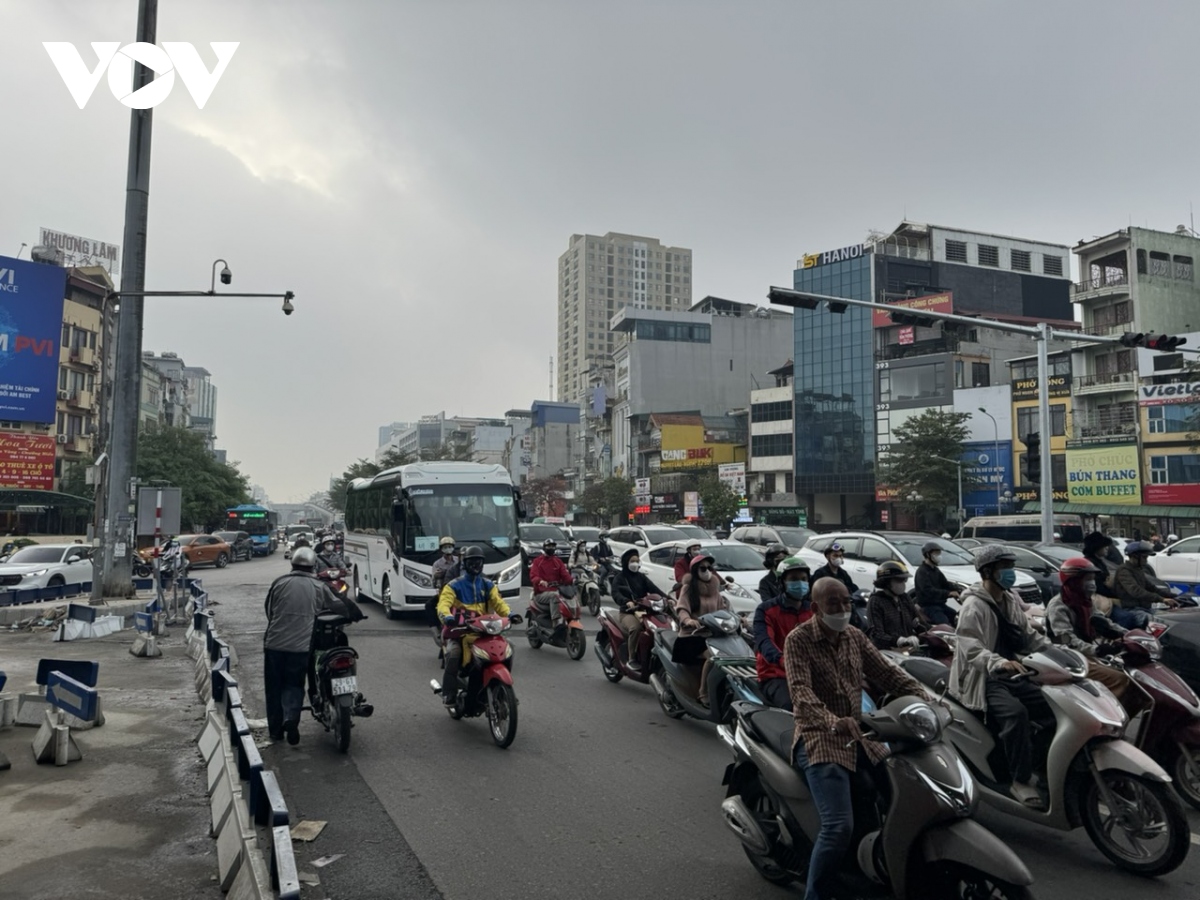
column 1115, row 423
column 82, row 356
column 1107, row 328
column 80, row 399
column 1112, row 282
column 646, row 443
column 1105, row 383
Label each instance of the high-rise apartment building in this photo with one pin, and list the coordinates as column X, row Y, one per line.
column 597, row 277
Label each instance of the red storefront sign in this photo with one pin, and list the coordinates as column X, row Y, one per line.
column 942, row 303
column 27, row 461
column 906, row 335
column 1175, row 494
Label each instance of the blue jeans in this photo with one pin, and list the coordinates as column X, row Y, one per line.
column 829, row 785
column 1130, row 618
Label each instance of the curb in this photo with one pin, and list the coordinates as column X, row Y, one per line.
column 242, row 794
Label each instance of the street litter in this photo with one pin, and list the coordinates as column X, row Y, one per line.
column 326, row 860
column 307, row 829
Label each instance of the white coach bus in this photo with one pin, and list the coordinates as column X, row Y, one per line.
column 395, row 520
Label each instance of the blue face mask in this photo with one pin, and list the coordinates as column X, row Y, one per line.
column 1006, row 578
column 797, row 589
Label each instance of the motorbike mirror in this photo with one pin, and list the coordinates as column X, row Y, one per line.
column 941, row 687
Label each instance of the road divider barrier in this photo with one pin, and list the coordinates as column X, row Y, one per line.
column 243, row 795
column 65, row 696
column 32, row 706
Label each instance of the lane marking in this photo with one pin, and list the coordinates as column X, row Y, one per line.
column 1196, row 838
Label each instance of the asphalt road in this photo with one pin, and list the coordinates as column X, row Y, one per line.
column 600, row 794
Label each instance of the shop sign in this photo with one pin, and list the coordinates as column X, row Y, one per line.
column 906, row 335
column 1159, row 394
column 1174, row 494
column 1027, row 388
column 940, row 303
column 1104, row 475
column 854, row 251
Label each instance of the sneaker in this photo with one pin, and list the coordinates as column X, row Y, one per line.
column 292, row 730
column 1027, row 794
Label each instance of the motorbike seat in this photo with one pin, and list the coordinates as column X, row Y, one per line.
column 927, row 671
column 669, row 638
column 776, row 728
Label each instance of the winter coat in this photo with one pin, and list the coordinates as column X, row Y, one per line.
column 774, row 620
column 975, row 655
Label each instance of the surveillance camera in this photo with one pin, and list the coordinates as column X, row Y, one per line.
column 226, row 276
column 288, row 309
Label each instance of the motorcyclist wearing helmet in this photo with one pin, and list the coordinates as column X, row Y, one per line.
column 933, row 589
column 835, row 557
column 774, row 620
column 546, row 572
column 628, row 587
column 1137, row 587
column 771, row 585
column 1071, row 620
column 683, row 565
column 469, row 592
column 448, row 566
column 580, row 558
column 293, row 602
column 328, row 556
column 993, row 634
column 893, row 620
column 602, row 553
column 700, row 594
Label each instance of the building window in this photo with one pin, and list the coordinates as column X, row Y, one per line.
column 1183, row 268
column 1027, row 421
column 1141, row 262
column 956, row 251
column 913, row 382
column 1173, row 418
column 1160, row 264
column 981, row 375
column 775, row 411
column 771, row 445
column 989, row 255
column 1021, row 260
column 1052, row 265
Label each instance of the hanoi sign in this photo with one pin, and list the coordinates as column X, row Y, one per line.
column 854, row 251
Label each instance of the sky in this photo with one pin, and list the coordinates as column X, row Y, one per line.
column 412, row 170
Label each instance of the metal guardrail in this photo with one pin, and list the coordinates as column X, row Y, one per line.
column 59, row 592
column 1114, row 280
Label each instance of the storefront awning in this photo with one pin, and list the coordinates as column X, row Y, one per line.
column 25, row 500
column 1119, row 509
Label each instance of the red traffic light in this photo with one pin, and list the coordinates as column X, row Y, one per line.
column 1164, row 343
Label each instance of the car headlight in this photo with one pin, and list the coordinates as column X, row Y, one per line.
column 37, row 574
column 922, row 721
column 732, row 587
column 510, row 573
column 420, row 579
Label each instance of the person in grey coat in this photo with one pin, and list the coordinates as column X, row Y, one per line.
column 293, row 601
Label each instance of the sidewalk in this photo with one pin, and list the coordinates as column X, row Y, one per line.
column 130, row 820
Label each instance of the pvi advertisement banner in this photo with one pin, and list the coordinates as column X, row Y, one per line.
column 31, row 310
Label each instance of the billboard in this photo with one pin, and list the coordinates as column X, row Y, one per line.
column 1108, row 474
column 942, row 303
column 686, row 447
column 81, row 251
column 1160, row 394
column 31, row 311
column 1027, row 388
column 986, row 468
column 27, row 461
column 733, row 475
column 1173, row 494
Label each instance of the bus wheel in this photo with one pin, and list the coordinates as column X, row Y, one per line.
column 386, row 594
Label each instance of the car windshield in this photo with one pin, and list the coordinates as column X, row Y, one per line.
column 586, row 534
column 536, row 534
column 187, row 538
column 1057, row 552
column 952, row 554
column 36, row 555
column 735, row 558
column 479, row 515
column 693, row 531
column 794, row 537
column 228, row 537
column 661, row 534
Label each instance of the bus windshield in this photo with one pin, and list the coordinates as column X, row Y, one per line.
column 479, row 515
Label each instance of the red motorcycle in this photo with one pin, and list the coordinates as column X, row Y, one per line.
column 1169, row 731
column 336, row 579
column 568, row 632
column 611, row 640
column 485, row 685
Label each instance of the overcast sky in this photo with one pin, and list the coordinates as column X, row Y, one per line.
column 412, row 170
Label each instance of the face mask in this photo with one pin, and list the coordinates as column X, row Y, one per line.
column 797, row 589
column 706, row 575
column 935, row 558
column 634, row 566
column 1006, row 578
column 899, row 587
column 449, row 551
column 836, row 621
column 1089, row 588
column 835, row 562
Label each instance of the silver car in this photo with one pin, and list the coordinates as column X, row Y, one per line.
column 46, row 565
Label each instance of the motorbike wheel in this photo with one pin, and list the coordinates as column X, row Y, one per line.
column 1187, row 778
column 531, row 632
column 614, row 674
column 764, row 808
column 1156, row 840
column 667, row 701
column 957, row 882
column 341, row 727
column 594, row 601
column 502, row 714
column 576, row 643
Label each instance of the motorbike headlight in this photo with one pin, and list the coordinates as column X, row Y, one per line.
column 510, row 573
column 420, row 579
column 37, row 574
column 656, row 606
column 493, row 626
column 922, row 721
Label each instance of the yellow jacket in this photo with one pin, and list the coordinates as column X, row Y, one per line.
column 472, row 594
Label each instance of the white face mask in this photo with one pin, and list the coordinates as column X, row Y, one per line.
column 706, row 576
column 634, row 566
column 449, row 551
column 835, row 562
column 935, row 557
column 836, row 621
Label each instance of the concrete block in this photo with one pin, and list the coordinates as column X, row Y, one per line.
column 146, row 646
column 230, row 852
column 209, row 741
column 53, row 742
column 217, row 765
column 284, row 877
column 221, row 804
column 8, row 709
column 5, row 762
column 72, row 630
column 31, row 708
column 253, row 881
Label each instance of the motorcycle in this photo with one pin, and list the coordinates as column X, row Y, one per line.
column 333, row 672
column 1169, row 731
column 676, row 679
column 336, row 579
column 485, row 685
column 567, row 633
column 611, row 641
column 1088, row 775
column 588, row 583
column 920, row 841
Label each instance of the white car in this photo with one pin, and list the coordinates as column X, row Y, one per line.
column 866, row 551
column 307, row 535
column 46, row 565
column 1179, row 564
column 734, row 560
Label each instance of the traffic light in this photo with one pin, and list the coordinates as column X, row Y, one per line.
column 1033, row 458
column 1132, row 338
column 1164, row 343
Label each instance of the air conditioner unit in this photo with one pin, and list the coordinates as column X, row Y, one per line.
column 62, row 438
column 62, row 395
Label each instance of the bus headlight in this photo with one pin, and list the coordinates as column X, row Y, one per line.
column 510, row 573
column 420, row 579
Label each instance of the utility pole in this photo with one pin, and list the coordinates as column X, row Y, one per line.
column 1047, row 487
column 116, row 570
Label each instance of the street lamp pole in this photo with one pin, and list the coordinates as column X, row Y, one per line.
column 996, row 450
column 959, row 463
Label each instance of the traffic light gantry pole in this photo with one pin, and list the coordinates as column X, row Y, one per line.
column 1041, row 333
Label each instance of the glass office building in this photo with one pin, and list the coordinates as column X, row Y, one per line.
column 835, row 395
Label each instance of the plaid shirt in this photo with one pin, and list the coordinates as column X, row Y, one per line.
column 826, row 682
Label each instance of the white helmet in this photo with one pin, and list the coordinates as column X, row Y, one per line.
column 304, row 558
column 1172, row 538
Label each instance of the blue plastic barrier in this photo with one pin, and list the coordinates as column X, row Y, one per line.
column 81, row 670
column 81, row 612
column 71, row 696
column 143, row 622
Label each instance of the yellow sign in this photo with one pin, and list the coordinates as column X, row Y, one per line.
column 1104, row 475
column 684, row 447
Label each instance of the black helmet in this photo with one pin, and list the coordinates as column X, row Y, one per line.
column 889, row 570
column 930, row 547
column 775, row 552
column 472, row 560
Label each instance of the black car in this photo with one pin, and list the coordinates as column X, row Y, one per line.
column 531, row 536
column 1181, row 643
column 239, row 541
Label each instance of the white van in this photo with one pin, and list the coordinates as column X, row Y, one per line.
column 1069, row 528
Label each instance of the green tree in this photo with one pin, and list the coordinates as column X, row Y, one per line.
column 608, row 499
column 363, row 468
column 544, row 496
column 918, row 461
column 74, row 482
column 719, row 501
column 180, row 457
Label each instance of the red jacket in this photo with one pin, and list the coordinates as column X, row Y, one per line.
column 551, row 569
column 773, row 622
column 682, row 567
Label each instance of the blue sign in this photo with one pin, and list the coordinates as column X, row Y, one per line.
column 69, row 695
column 31, row 313
column 986, row 472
